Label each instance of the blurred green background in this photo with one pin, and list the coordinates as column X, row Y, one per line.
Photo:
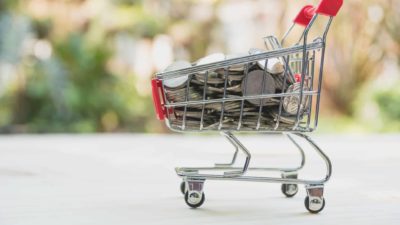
column 86, row 65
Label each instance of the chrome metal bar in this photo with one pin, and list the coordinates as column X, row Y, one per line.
column 228, row 165
column 311, row 88
column 326, row 159
column 221, row 119
column 273, row 41
column 233, row 139
column 267, row 130
column 287, row 61
column 254, row 179
column 240, row 60
column 204, row 99
column 262, row 93
column 303, row 66
column 224, row 165
column 321, row 70
column 287, row 34
column 303, row 156
column 187, row 98
column 238, row 98
column 246, row 71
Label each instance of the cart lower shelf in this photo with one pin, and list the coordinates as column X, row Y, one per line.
column 192, row 186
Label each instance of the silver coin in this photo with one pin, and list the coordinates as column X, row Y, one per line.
column 280, row 83
column 189, row 124
column 182, row 94
column 215, row 57
column 215, row 92
column 212, row 78
column 228, row 106
column 291, row 103
column 274, row 65
column 235, row 77
column 225, row 121
column 228, row 72
column 251, row 122
column 236, row 67
column 178, row 81
column 252, row 85
column 190, row 113
column 245, row 109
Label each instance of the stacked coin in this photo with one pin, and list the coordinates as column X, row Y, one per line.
column 178, row 81
column 257, row 82
column 274, row 65
column 292, row 103
column 255, row 87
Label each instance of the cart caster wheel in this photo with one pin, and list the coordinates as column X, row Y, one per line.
column 316, row 205
column 183, row 187
column 194, row 199
column 289, row 190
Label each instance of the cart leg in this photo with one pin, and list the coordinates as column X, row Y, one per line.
column 290, row 190
column 326, row 159
column 315, row 201
column 302, row 154
column 240, row 146
column 235, row 145
column 234, row 155
column 194, row 195
column 187, row 171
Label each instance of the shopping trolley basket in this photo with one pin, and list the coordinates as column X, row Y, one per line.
column 274, row 91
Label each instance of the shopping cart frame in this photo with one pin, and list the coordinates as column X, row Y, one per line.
column 193, row 180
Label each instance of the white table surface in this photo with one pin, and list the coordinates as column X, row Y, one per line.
column 129, row 179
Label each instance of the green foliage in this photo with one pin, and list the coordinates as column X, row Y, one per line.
column 74, row 92
column 388, row 101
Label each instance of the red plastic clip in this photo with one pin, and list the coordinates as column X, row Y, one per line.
column 297, row 77
column 305, row 15
column 329, row 7
column 159, row 107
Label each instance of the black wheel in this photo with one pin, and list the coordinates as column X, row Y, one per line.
column 194, row 199
column 289, row 190
column 183, row 187
column 317, row 209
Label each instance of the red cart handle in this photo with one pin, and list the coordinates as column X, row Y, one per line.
column 329, row 7
column 325, row 7
column 305, row 15
column 156, row 86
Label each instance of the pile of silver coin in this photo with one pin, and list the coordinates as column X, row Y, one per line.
column 264, row 77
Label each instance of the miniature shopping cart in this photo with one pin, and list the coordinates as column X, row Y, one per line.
column 217, row 96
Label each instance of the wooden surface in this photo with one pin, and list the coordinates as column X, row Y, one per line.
column 129, row 179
